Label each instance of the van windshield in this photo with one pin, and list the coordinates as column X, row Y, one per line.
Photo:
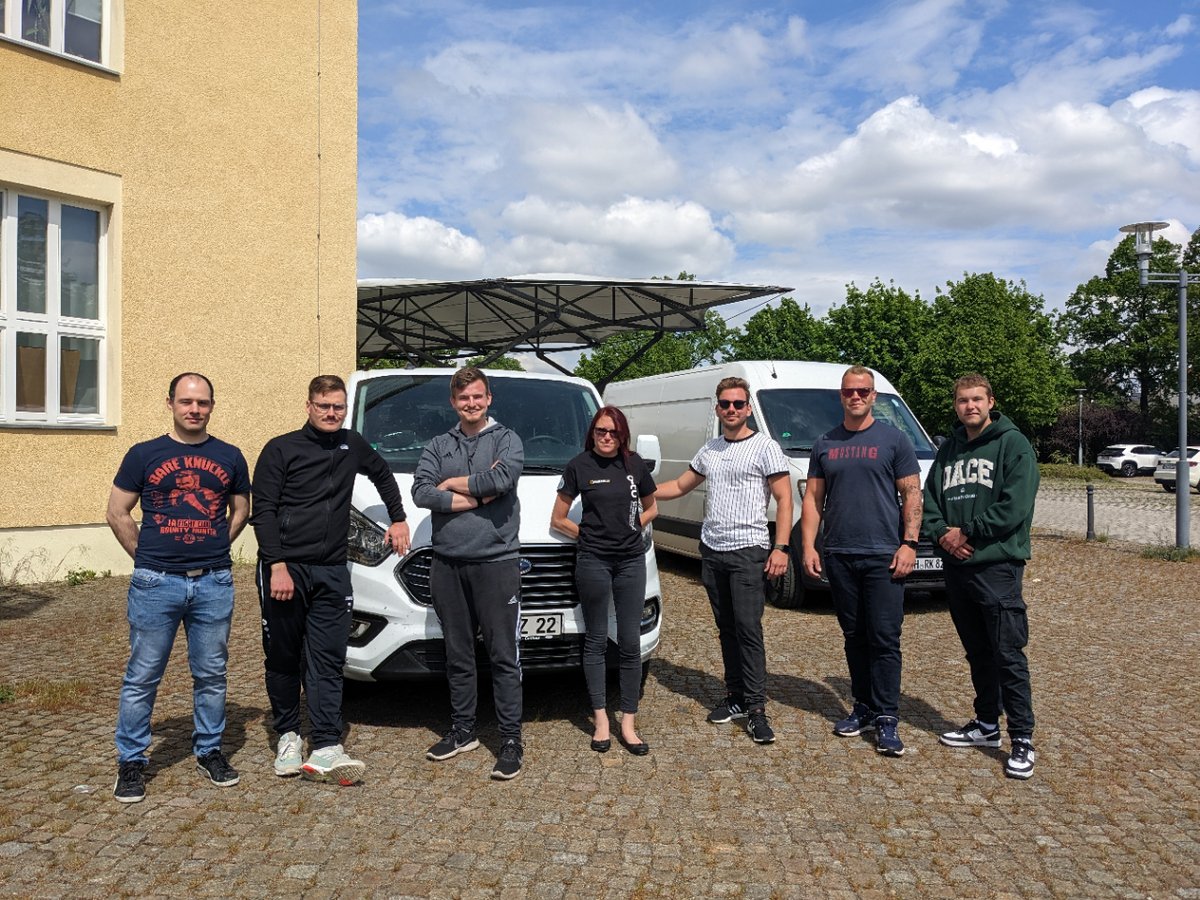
column 796, row 417
column 400, row 414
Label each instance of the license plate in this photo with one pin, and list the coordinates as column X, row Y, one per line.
column 541, row 625
column 928, row 564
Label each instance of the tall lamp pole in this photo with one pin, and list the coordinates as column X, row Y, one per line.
column 1143, row 240
column 1080, row 392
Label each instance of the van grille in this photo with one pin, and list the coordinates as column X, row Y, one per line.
column 549, row 583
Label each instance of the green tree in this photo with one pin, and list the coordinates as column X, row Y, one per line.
column 1125, row 336
column 982, row 324
column 879, row 327
column 672, row 352
column 785, row 331
column 505, row 363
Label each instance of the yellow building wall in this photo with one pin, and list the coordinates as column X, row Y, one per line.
column 228, row 143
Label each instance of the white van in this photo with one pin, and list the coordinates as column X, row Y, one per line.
column 396, row 634
column 793, row 402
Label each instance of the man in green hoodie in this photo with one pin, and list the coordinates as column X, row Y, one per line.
column 978, row 510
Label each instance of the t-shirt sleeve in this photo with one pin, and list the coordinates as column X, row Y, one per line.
column 241, row 475
column 569, row 484
column 906, row 457
column 645, row 481
column 815, row 469
column 698, row 461
column 774, row 460
column 131, row 474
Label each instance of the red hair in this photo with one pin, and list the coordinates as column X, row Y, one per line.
column 620, row 424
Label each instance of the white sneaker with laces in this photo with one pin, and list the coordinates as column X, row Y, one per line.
column 332, row 764
column 289, row 756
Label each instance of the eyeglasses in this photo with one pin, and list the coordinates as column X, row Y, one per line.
column 605, row 432
column 861, row 392
column 736, row 404
column 330, row 407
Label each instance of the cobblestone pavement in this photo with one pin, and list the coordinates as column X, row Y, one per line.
column 1112, row 811
column 1133, row 509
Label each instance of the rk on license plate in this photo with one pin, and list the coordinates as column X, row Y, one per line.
column 928, row 564
column 541, row 625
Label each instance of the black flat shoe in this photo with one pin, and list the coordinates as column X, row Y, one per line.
column 602, row 746
column 636, row 749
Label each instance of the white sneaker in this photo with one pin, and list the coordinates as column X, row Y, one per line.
column 289, row 756
column 332, row 764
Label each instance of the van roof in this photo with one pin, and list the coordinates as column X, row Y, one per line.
column 764, row 374
column 368, row 374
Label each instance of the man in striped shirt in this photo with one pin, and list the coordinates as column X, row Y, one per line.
column 744, row 469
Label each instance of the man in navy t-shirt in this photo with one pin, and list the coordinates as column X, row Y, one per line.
column 870, row 546
column 194, row 492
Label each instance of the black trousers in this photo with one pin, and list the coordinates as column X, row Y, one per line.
column 736, row 589
column 988, row 610
column 484, row 597
column 304, row 642
column 617, row 583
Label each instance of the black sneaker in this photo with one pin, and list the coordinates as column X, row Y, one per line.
column 217, row 768
column 1020, row 761
column 454, row 743
column 131, row 782
column 508, row 763
column 729, row 710
column 972, row 735
column 759, row 728
column 887, row 741
column 860, row 719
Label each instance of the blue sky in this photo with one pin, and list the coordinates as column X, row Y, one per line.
column 806, row 145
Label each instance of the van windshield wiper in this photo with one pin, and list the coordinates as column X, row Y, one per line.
column 541, row 470
column 800, row 447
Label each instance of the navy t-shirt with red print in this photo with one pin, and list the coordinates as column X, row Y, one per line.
column 185, row 490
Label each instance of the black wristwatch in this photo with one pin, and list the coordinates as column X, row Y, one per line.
column 784, row 547
column 912, row 544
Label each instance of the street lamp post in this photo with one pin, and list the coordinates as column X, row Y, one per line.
column 1143, row 240
column 1080, row 392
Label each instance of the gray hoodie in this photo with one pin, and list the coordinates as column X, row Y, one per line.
column 493, row 460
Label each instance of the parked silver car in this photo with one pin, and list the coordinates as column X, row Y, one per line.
column 1128, row 459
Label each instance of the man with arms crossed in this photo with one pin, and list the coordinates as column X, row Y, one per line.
column 978, row 510
column 870, row 546
column 744, row 469
column 302, row 521
column 468, row 478
column 186, row 480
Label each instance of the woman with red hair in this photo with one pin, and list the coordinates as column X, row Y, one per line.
column 616, row 495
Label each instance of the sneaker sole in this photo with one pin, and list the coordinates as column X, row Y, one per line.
column 854, row 733
column 951, row 742
column 137, row 799
column 1020, row 775
column 888, row 752
column 497, row 775
column 288, row 771
column 727, row 720
column 230, row 783
column 762, row 740
column 345, row 775
column 462, row 748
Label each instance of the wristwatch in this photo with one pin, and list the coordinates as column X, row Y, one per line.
column 784, row 547
column 912, row 544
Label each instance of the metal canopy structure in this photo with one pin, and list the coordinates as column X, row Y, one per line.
column 427, row 322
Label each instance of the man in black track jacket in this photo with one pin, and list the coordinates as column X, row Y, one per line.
column 301, row 520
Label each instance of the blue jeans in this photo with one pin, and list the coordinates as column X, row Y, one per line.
column 870, row 608
column 157, row 603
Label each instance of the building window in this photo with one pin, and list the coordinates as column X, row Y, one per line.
column 72, row 27
column 53, row 336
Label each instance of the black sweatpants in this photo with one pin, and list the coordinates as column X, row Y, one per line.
column 988, row 610
column 304, row 640
column 484, row 597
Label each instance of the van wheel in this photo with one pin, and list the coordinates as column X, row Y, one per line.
column 786, row 591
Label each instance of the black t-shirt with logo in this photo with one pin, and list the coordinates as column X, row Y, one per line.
column 611, row 491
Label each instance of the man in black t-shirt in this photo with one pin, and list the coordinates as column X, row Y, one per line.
column 870, row 545
column 185, row 482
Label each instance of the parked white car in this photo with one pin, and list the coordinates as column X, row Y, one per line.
column 1128, row 459
column 1165, row 473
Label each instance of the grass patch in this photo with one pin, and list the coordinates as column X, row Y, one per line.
column 51, row 696
column 1170, row 554
column 1072, row 472
column 83, row 576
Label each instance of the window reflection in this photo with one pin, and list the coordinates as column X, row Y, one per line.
column 35, row 21
column 80, row 262
column 31, row 372
column 32, row 215
column 83, row 29
column 79, row 375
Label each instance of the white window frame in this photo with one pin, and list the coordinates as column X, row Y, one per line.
column 10, row 29
column 51, row 323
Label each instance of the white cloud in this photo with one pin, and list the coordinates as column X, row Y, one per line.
column 1167, row 117
column 392, row 244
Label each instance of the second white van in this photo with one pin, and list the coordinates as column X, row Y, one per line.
column 793, row 402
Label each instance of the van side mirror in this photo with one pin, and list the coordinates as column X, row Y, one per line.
column 938, row 440
column 649, row 450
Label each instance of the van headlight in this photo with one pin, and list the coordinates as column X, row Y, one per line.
column 365, row 543
column 647, row 538
column 801, row 486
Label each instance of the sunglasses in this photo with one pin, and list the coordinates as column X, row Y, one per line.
column 330, row 407
column 860, row 392
column 736, row 404
column 605, row 432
